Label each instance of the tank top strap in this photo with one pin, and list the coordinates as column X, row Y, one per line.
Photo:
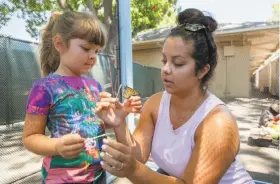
column 208, row 105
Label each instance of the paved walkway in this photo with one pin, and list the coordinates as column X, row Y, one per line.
column 262, row 163
column 16, row 162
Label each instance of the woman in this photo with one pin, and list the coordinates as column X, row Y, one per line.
column 190, row 133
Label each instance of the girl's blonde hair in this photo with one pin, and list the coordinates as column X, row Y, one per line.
column 69, row 25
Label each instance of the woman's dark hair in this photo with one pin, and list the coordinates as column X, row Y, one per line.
column 205, row 50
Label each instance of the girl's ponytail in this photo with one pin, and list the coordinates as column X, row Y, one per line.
column 49, row 57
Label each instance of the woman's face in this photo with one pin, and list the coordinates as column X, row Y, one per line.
column 178, row 70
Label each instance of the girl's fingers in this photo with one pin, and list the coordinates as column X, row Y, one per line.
column 127, row 102
column 118, row 104
column 102, row 105
column 74, row 147
column 135, row 98
column 73, row 139
column 137, row 107
column 110, row 100
column 104, row 94
column 73, row 154
column 136, row 103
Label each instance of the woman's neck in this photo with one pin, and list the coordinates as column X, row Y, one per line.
column 191, row 100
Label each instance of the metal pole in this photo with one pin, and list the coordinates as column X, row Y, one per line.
column 125, row 53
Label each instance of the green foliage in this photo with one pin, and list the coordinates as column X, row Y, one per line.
column 145, row 13
column 5, row 13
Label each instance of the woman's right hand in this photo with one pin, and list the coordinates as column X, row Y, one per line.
column 70, row 146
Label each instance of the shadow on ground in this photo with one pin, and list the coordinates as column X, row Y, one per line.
column 16, row 162
column 261, row 162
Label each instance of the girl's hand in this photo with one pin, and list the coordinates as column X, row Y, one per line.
column 70, row 146
column 110, row 110
column 118, row 159
column 133, row 105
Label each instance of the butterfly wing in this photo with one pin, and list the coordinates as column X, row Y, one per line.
column 128, row 92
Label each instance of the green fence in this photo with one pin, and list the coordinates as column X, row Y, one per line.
column 20, row 67
column 147, row 80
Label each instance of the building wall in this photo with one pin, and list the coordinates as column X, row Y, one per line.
column 274, row 84
column 263, row 78
column 149, row 57
column 217, row 84
column 268, row 76
column 231, row 77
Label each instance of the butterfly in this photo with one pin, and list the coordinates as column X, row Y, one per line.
column 129, row 92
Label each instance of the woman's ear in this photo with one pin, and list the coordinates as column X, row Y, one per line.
column 59, row 44
column 203, row 71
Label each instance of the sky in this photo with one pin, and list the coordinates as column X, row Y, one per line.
column 233, row 10
column 230, row 11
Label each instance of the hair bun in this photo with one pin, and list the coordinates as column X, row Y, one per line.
column 210, row 23
column 195, row 16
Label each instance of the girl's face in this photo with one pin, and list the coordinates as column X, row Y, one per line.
column 79, row 57
column 178, row 70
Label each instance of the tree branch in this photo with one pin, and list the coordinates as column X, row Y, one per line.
column 90, row 6
column 64, row 5
column 108, row 15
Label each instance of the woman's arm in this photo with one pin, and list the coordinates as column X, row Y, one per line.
column 216, row 145
column 34, row 138
column 141, row 140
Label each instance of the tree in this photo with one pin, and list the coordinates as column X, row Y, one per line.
column 275, row 17
column 145, row 13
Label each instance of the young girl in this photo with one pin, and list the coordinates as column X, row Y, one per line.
column 64, row 101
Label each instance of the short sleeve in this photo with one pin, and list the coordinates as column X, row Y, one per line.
column 99, row 87
column 39, row 100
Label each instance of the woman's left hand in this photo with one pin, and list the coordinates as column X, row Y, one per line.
column 118, row 159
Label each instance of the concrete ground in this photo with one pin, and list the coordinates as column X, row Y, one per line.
column 262, row 163
column 16, row 162
column 20, row 166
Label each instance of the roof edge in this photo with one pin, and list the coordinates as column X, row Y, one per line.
column 219, row 33
column 247, row 30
